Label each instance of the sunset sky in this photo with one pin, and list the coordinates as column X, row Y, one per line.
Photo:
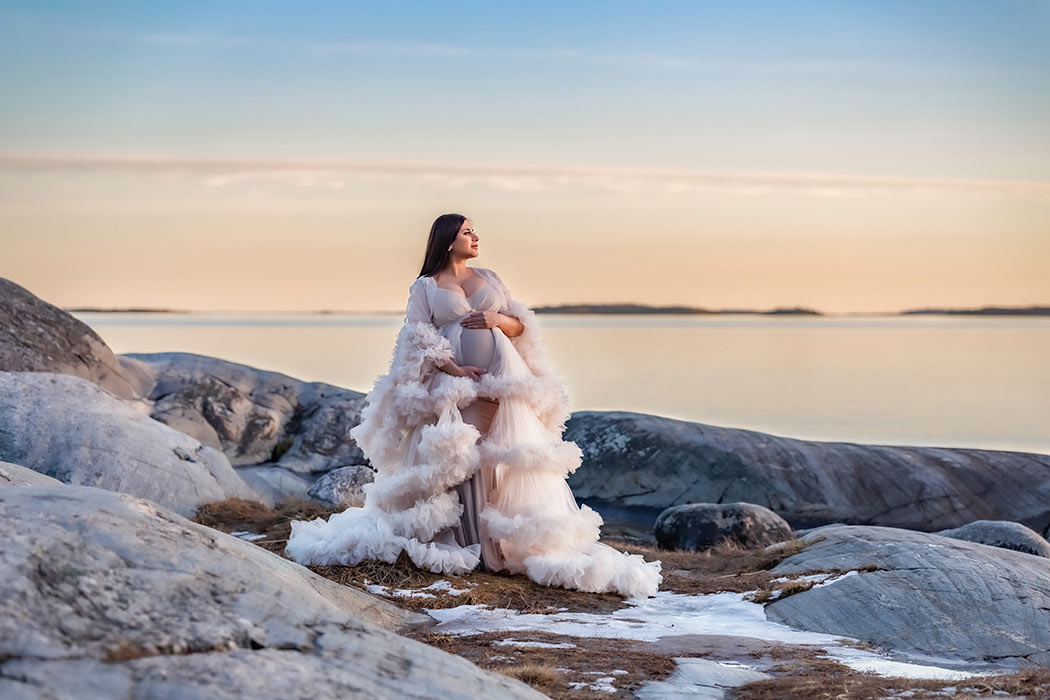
column 844, row 156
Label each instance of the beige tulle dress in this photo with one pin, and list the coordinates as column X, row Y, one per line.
column 453, row 497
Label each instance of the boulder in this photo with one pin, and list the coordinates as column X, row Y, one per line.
column 70, row 429
column 107, row 595
column 255, row 417
column 639, row 461
column 38, row 337
column 343, row 486
column 929, row 595
column 698, row 526
column 17, row 475
column 1001, row 533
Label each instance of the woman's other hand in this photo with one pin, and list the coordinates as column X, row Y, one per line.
column 464, row 371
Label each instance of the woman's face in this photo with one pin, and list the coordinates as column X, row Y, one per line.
column 466, row 242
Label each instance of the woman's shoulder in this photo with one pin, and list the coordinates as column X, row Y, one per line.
column 421, row 282
column 484, row 272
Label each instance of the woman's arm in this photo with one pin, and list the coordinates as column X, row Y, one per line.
column 510, row 325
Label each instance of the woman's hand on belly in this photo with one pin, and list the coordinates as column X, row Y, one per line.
column 482, row 319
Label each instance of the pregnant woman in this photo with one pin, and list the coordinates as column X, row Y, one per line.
column 465, row 434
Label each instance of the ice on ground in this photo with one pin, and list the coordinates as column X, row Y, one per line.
column 699, row 678
column 246, row 535
column 866, row 661
column 602, row 685
column 441, row 586
column 544, row 645
column 669, row 614
column 663, row 615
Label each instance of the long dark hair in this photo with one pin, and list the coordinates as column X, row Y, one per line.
column 442, row 233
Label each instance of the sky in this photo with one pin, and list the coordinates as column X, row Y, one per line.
column 841, row 156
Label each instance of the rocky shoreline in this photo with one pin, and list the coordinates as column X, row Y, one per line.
column 106, row 460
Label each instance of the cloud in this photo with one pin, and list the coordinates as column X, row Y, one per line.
column 523, row 178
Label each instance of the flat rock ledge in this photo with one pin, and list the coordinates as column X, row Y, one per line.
column 930, row 595
column 107, row 595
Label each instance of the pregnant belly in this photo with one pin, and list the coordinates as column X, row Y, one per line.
column 477, row 347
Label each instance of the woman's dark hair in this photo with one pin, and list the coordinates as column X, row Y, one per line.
column 442, row 233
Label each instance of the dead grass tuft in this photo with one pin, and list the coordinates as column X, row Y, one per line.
column 584, row 662
column 543, row 677
column 727, row 566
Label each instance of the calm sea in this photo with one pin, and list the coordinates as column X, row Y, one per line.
column 948, row 381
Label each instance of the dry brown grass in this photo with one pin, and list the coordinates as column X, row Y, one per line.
column 542, row 677
column 802, row 672
column 806, row 674
column 496, row 589
column 727, row 566
column 576, row 664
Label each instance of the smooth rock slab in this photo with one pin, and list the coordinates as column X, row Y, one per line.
column 17, row 475
column 275, row 484
column 932, row 595
column 90, row 573
column 644, row 462
column 70, row 429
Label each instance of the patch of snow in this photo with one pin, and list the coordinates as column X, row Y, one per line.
column 246, row 535
column 544, row 645
column 602, row 685
column 376, row 589
column 668, row 614
column 442, row 586
column 866, row 661
column 812, row 577
column 663, row 615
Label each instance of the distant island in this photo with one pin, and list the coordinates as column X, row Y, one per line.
column 647, row 309
column 130, row 310
column 986, row 311
column 614, row 309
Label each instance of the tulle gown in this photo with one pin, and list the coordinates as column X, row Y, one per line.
column 453, row 497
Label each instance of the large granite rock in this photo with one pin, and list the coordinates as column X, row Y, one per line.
column 648, row 463
column 343, row 486
column 698, row 526
column 255, row 417
column 931, row 595
column 1001, row 533
column 17, row 475
column 106, row 595
column 38, row 337
column 72, row 430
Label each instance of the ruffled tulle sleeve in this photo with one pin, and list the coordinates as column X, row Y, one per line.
column 400, row 399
